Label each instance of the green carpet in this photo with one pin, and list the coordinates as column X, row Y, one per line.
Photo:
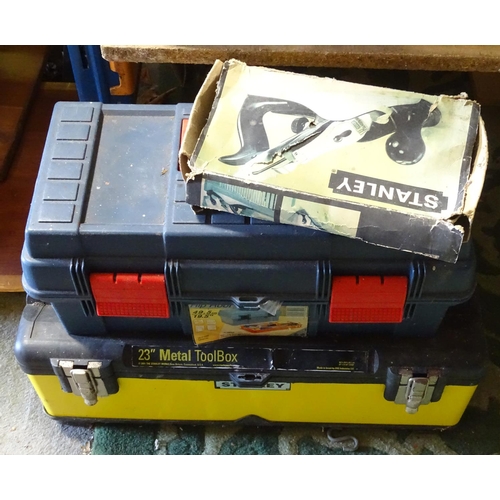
column 479, row 429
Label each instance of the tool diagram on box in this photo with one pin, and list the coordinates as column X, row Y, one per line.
column 310, row 135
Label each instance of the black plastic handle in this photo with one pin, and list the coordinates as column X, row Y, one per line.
column 253, row 379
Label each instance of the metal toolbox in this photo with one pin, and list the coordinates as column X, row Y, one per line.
column 368, row 379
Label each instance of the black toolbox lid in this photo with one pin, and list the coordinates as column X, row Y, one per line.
column 458, row 351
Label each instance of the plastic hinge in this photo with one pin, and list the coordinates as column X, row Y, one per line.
column 368, row 299
column 131, row 295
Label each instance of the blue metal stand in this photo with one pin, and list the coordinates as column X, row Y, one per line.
column 93, row 76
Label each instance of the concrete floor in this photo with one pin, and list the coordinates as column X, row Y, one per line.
column 25, row 429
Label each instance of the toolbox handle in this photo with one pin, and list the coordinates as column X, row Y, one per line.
column 248, row 303
column 247, row 379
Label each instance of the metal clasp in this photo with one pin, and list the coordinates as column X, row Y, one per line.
column 84, row 381
column 416, row 390
column 86, row 384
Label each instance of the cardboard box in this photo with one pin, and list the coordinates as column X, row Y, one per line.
column 397, row 169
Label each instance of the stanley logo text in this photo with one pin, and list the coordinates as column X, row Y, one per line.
column 393, row 193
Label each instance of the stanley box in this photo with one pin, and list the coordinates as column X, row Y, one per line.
column 392, row 168
column 348, row 380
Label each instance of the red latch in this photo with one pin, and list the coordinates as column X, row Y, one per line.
column 368, row 299
column 124, row 294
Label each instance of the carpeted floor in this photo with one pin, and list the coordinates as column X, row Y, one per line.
column 25, row 429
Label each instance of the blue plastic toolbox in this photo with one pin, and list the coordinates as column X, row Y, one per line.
column 113, row 246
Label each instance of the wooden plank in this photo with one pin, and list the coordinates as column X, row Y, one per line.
column 16, row 191
column 413, row 57
column 20, row 69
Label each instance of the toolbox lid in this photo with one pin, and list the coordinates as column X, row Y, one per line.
column 102, row 184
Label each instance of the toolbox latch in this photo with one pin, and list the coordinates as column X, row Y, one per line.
column 368, row 299
column 416, row 390
column 139, row 295
column 88, row 379
column 86, row 384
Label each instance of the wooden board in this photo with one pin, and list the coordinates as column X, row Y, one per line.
column 414, row 57
column 20, row 69
column 16, row 191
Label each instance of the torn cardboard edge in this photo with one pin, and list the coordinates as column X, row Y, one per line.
column 420, row 234
column 202, row 108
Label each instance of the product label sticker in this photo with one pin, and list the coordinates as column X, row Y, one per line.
column 215, row 322
column 200, row 357
column 263, row 359
column 322, row 360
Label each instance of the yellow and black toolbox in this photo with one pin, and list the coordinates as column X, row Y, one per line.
column 370, row 379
